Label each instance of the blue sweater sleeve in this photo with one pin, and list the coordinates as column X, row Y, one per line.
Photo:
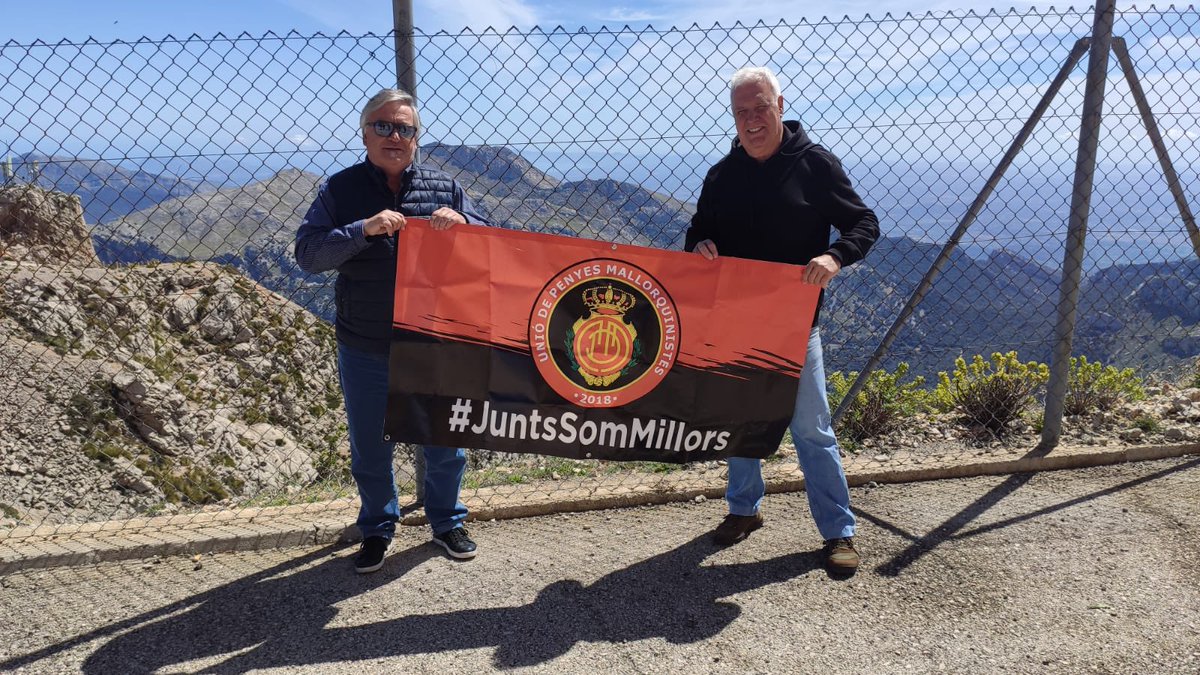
column 466, row 207
column 323, row 245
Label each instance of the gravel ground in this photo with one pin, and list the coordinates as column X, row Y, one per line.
column 1094, row 570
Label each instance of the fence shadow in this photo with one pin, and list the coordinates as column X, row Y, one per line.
column 955, row 526
column 280, row 618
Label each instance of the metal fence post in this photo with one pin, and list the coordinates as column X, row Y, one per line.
column 1081, row 200
column 406, row 79
column 1156, row 139
column 406, row 59
column 1077, row 52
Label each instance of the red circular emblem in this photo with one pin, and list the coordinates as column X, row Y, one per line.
column 603, row 333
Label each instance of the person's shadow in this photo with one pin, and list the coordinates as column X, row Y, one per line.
column 278, row 619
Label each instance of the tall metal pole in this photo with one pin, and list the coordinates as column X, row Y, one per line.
column 406, row 67
column 406, row 79
column 1081, row 200
column 406, row 59
column 1080, row 48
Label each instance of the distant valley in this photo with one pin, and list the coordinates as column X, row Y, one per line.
column 1141, row 315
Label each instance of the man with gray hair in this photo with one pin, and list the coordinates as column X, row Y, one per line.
column 777, row 196
column 351, row 227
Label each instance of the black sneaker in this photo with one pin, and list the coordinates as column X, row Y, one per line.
column 456, row 542
column 370, row 556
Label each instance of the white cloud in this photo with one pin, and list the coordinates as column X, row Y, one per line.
column 453, row 16
column 681, row 13
column 628, row 15
column 336, row 17
column 430, row 16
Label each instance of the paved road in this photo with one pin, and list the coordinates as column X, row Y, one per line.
column 1092, row 570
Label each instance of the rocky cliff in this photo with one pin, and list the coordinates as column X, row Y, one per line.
column 134, row 389
column 43, row 226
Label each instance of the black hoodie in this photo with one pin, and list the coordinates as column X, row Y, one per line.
column 783, row 209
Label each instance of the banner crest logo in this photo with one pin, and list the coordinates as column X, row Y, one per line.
column 603, row 344
column 603, row 333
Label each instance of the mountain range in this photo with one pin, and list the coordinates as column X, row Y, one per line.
column 1142, row 315
column 106, row 190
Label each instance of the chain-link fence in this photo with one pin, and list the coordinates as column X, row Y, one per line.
column 161, row 350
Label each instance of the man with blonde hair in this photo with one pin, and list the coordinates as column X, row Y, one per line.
column 777, row 196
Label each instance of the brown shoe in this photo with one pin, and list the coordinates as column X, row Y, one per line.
column 736, row 528
column 840, row 554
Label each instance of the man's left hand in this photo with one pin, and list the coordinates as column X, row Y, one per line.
column 445, row 218
column 821, row 269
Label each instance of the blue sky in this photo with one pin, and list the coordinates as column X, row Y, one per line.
column 884, row 94
column 76, row 20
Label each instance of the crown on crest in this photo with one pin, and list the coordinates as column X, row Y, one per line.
column 608, row 300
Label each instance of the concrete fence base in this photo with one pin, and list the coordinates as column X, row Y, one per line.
column 332, row 522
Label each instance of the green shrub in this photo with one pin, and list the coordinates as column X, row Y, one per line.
column 193, row 485
column 92, row 409
column 1147, row 424
column 103, row 451
column 880, row 406
column 991, row 394
column 333, row 398
column 92, row 416
column 330, row 463
column 1092, row 386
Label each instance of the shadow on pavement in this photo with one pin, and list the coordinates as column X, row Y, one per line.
column 280, row 618
column 952, row 528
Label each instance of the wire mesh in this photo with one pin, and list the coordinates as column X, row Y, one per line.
column 162, row 352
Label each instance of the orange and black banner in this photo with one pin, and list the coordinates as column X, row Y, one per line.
column 525, row 342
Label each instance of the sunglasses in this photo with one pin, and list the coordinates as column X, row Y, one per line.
column 385, row 129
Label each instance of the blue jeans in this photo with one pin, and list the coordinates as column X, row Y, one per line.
column 364, row 379
column 817, row 450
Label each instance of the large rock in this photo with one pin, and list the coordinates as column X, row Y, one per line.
column 50, row 223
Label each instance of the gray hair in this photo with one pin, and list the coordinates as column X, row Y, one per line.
column 754, row 75
column 384, row 97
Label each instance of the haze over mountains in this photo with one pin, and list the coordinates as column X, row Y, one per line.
column 1141, row 315
column 107, row 191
